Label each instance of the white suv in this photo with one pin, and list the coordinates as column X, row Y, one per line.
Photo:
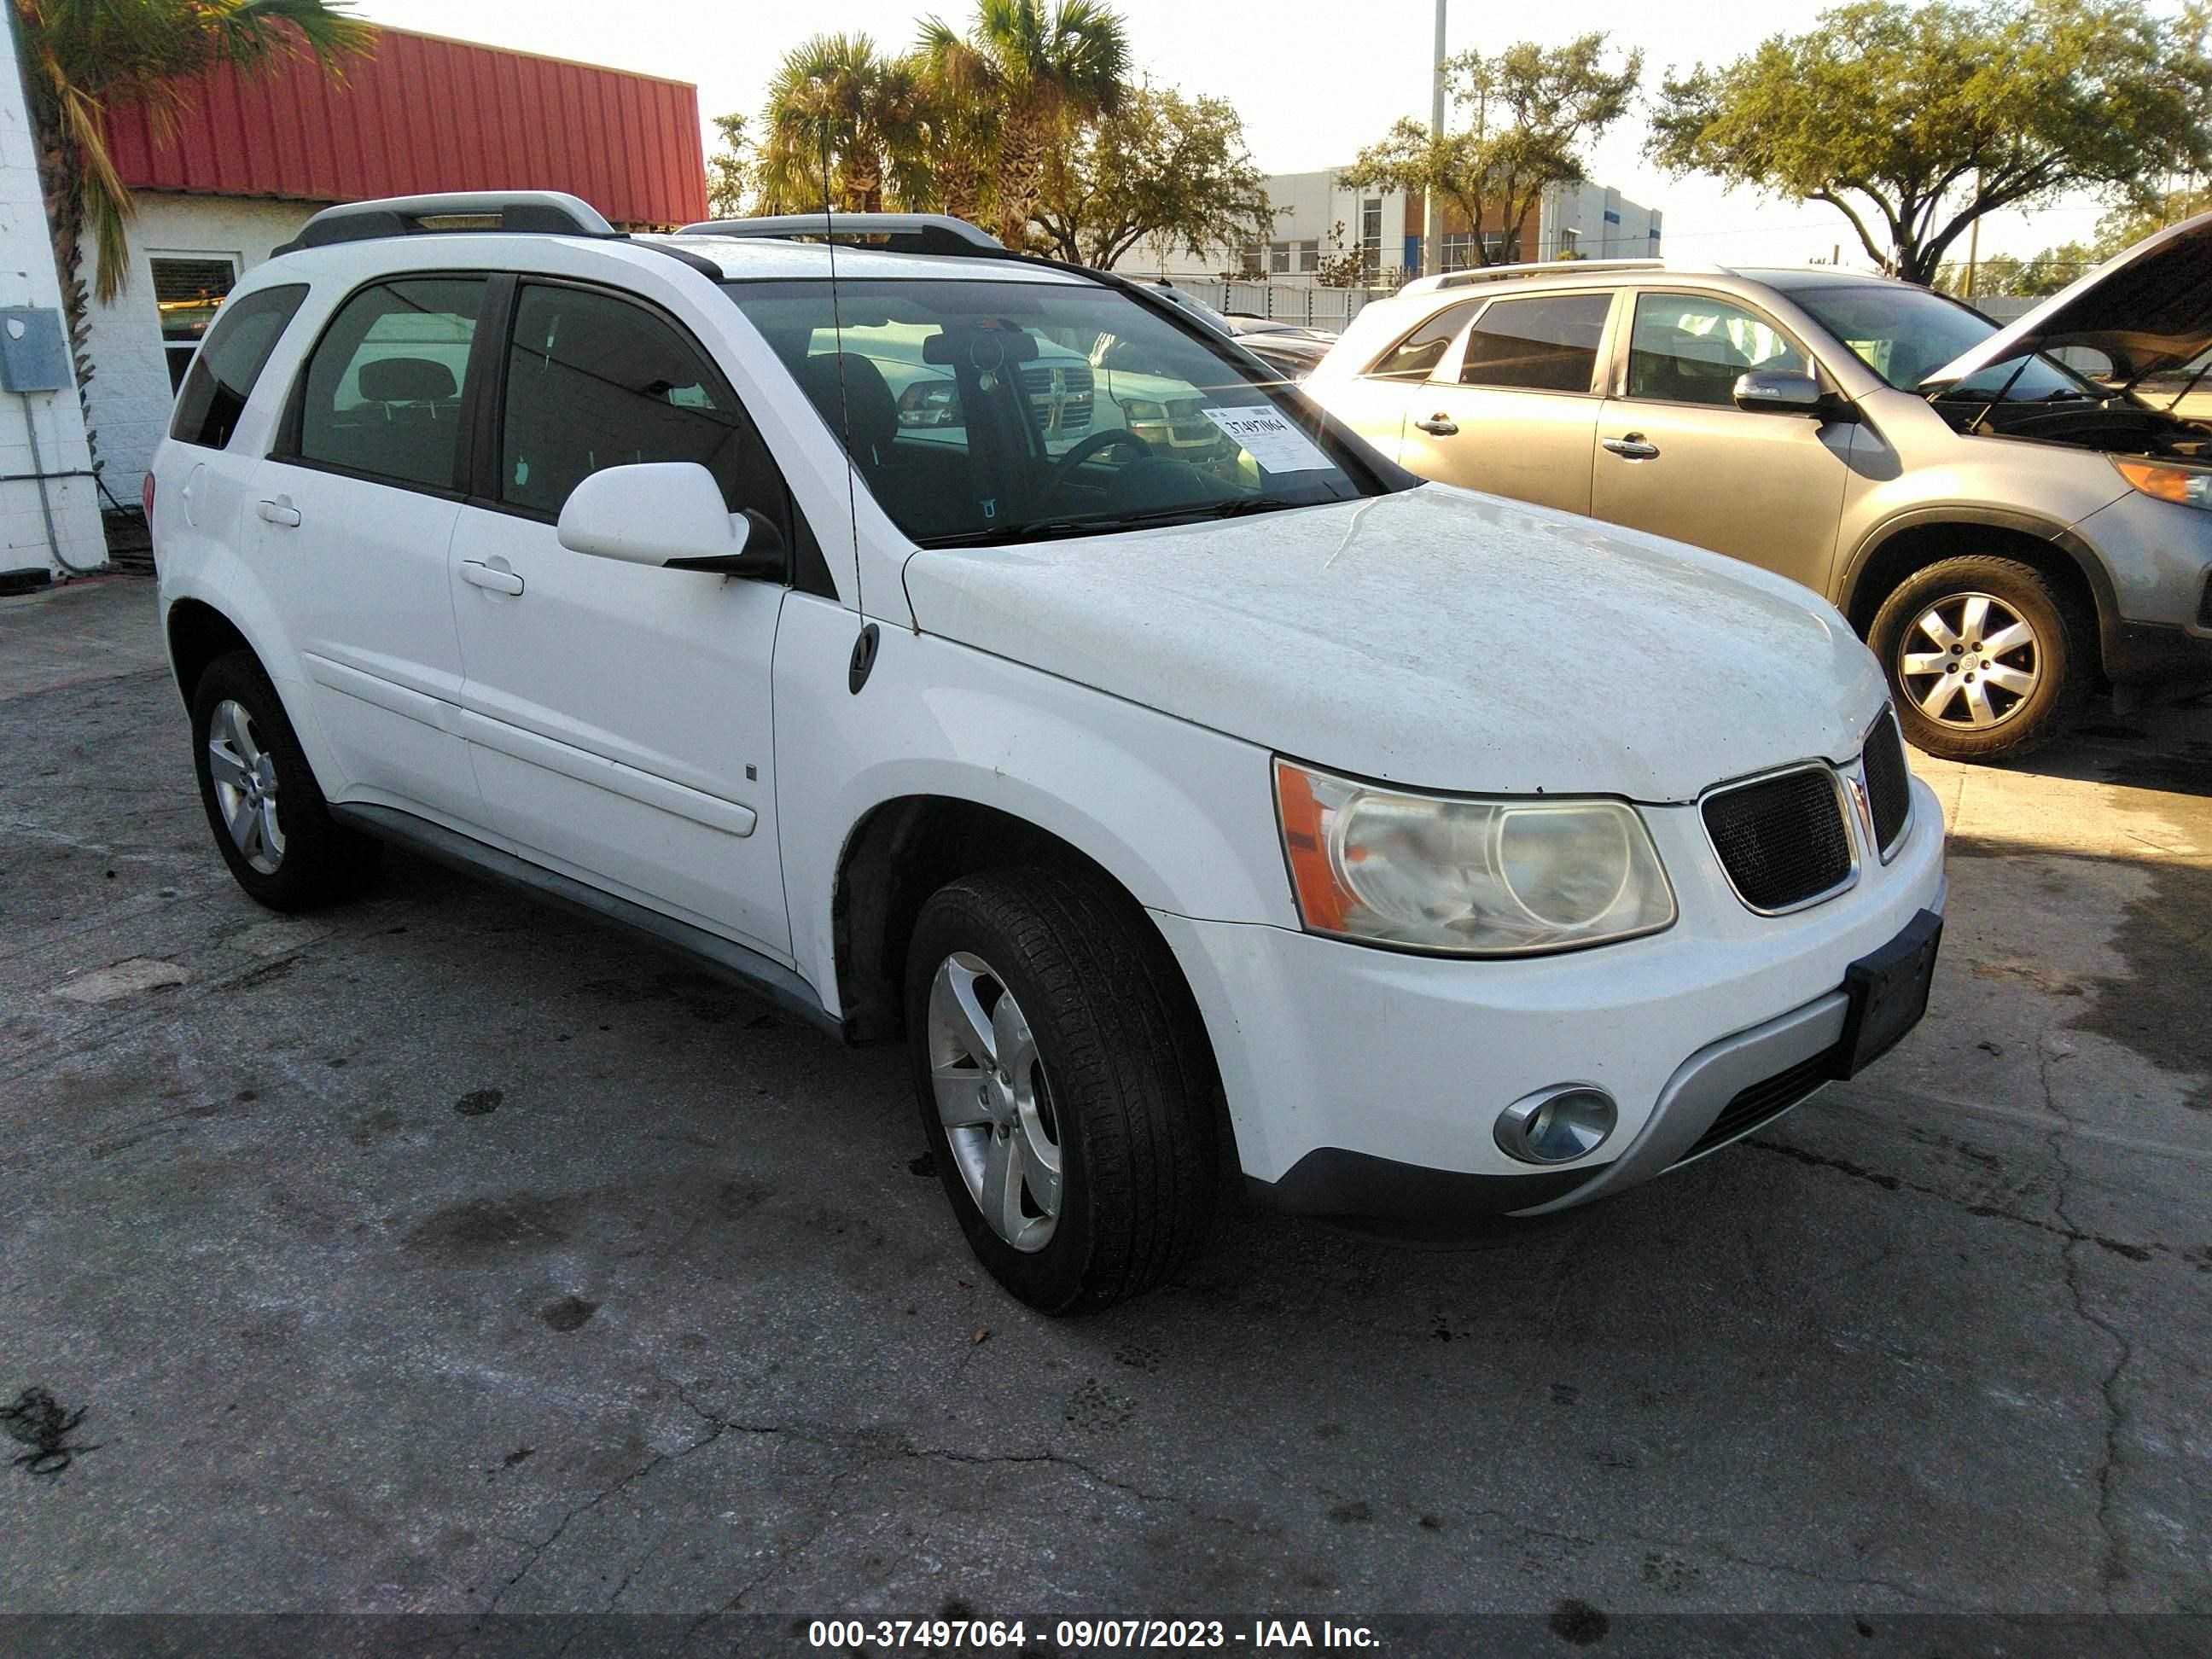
column 1402, row 844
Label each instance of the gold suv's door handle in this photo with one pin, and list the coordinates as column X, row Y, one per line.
column 1633, row 447
column 1439, row 426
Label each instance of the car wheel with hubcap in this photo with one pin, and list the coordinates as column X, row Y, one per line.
column 270, row 823
column 1065, row 1084
column 1987, row 658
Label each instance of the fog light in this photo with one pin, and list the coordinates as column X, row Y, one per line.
column 1556, row 1126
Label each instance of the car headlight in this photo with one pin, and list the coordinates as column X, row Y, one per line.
column 1136, row 410
column 2186, row 486
column 1467, row 876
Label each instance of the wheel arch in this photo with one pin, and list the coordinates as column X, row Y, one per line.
column 198, row 633
column 902, row 851
column 1891, row 552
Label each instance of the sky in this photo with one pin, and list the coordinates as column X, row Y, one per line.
column 1314, row 82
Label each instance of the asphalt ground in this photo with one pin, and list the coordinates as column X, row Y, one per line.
column 440, row 1254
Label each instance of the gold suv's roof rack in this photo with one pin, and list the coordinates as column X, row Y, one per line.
column 1475, row 274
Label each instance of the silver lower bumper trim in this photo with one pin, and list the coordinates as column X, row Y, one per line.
column 1704, row 1084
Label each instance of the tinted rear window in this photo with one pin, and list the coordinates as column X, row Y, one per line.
column 1545, row 344
column 228, row 362
column 1416, row 356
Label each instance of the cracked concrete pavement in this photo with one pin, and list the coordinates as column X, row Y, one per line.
column 440, row 1254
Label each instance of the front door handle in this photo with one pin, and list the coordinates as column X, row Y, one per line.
column 1438, row 426
column 477, row 574
column 280, row 511
column 1633, row 447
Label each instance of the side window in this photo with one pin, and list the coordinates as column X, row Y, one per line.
column 594, row 382
column 1689, row 348
column 1548, row 343
column 1416, row 356
column 384, row 388
column 229, row 362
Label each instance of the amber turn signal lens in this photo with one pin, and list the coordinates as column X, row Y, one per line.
column 1320, row 901
column 2182, row 486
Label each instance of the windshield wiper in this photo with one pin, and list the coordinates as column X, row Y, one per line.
column 1106, row 524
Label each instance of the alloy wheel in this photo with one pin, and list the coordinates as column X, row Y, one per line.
column 995, row 1101
column 245, row 777
column 1970, row 661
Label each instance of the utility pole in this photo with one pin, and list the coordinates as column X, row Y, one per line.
column 1432, row 252
column 1974, row 240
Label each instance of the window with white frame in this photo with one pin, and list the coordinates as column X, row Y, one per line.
column 1370, row 236
column 189, row 289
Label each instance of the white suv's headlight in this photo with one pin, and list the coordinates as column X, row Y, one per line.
column 1467, row 876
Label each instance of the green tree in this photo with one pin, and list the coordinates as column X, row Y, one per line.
column 1161, row 166
column 1343, row 265
column 1532, row 108
column 2047, row 272
column 1914, row 121
column 2130, row 223
column 80, row 57
column 2008, row 274
column 838, row 105
column 727, row 170
column 1016, row 89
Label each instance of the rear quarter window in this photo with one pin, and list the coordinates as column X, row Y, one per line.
column 230, row 359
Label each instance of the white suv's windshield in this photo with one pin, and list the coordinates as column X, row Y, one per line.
column 1906, row 334
column 987, row 411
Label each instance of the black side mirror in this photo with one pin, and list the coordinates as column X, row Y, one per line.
column 766, row 556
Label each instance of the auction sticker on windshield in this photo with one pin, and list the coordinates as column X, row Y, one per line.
column 1269, row 439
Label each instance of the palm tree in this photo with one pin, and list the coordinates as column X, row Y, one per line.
column 1024, row 75
column 839, row 106
column 81, row 56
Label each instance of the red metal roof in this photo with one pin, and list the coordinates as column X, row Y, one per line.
column 426, row 114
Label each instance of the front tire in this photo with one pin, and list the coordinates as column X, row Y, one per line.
column 1065, row 1085
column 1987, row 658
column 270, row 820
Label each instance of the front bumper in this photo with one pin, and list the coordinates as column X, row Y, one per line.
column 2157, row 556
column 1365, row 1083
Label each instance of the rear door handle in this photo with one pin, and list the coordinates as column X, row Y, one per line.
column 280, row 511
column 1633, row 447
column 477, row 574
column 1438, row 426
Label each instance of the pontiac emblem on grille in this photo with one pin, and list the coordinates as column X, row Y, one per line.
column 1056, row 399
column 1866, row 807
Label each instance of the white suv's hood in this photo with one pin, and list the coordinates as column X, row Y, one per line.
column 1435, row 638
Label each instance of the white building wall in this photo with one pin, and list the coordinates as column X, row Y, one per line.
column 1597, row 220
column 129, row 390
column 27, row 278
column 1604, row 224
column 1309, row 207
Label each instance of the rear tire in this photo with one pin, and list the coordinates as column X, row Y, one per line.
column 270, row 820
column 1987, row 658
column 1084, row 1170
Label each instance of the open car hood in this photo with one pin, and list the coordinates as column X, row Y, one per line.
column 2149, row 309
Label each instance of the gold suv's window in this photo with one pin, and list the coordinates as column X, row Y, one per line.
column 1547, row 343
column 1689, row 348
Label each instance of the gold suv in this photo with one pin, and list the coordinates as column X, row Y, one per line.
column 2009, row 516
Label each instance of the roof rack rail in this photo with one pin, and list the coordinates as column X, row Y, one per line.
column 896, row 233
column 541, row 212
column 1475, row 274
